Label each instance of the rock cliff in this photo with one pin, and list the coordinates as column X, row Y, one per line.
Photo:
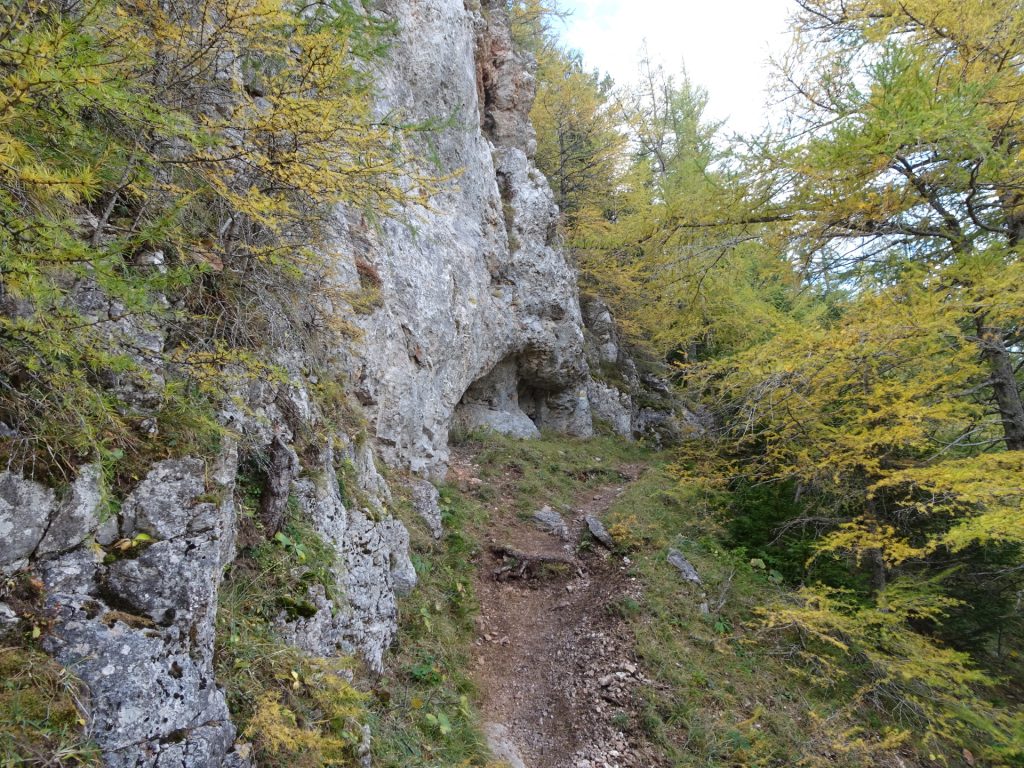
column 478, row 323
column 480, row 318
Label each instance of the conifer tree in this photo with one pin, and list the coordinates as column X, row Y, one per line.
column 845, row 291
column 166, row 171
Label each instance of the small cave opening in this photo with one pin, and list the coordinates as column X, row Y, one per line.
column 524, row 393
column 531, row 401
column 493, row 402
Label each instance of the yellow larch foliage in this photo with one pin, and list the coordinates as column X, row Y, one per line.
column 219, row 137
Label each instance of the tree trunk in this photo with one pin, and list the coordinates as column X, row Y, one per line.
column 1004, row 384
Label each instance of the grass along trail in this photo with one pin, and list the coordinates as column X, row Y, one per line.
column 546, row 650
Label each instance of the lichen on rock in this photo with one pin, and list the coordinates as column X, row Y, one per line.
column 474, row 292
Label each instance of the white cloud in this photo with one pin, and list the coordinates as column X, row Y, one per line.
column 725, row 46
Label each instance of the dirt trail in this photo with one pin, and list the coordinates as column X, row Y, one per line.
column 553, row 659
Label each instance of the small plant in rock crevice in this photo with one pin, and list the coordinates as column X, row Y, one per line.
column 297, row 710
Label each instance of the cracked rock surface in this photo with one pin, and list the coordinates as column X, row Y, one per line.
column 476, row 289
column 138, row 629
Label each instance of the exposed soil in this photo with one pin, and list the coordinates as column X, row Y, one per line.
column 554, row 658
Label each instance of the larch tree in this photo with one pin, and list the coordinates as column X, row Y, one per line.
column 169, row 167
column 846, row 293
column 578, row 139
column 916, row 113
column 895, row 189
column 579, row 143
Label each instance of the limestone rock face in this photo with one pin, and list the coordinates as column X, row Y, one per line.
column 603, row 335
column 633, row 404
column 373, row 568
column 612, row 406
column 25, row 509
column 135, row 621
column 426, row 501
column 474, row 291
column 76, row 516
column 34, row 523
column 138, row 629
column 478, row 322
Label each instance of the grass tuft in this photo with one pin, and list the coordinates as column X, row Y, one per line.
column 424, row 711
column 40, row 721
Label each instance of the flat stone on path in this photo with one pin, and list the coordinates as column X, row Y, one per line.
column 551, row 521
column 599, row 532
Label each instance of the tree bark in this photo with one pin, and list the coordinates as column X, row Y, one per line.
column 1004, row 384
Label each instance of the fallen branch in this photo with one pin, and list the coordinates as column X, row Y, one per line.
column 523, row 561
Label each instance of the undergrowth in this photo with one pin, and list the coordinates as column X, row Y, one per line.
column 424, row 711
column 40, row 722
column 723, row 691
column 296, row 710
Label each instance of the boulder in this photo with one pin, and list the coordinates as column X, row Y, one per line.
column 599, row 532
column 677, row 560
column 26, row 508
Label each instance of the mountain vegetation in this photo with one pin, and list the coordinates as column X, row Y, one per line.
column 168, row 165
column 837, row 299
column 842, row 293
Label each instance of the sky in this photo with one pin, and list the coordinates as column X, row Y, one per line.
column 724, row 44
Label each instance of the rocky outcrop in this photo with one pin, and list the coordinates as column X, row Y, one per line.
column 373, row 569
column 632, row 403
column 372, row 565
column 479, row 317
column 131, row 600
column 34, row 523
column 477, row 323
column 426, row 502
column 612, row 406
column 135, row 621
